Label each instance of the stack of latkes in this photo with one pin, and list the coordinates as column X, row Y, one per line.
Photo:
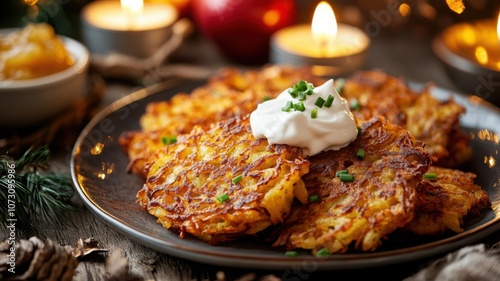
column 206, row 175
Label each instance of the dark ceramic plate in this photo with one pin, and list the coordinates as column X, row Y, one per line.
column 99, row 173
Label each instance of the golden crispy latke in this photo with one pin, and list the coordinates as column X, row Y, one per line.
column 363, row 212
column 442, row 203
column 178, row 116
column 185, row 179
column 231, row 93
column 432, row 121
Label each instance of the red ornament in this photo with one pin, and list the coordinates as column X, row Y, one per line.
column 241, row 29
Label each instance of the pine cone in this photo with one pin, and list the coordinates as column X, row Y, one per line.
column 35, row 259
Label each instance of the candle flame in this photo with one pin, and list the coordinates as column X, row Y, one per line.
column 498, row 26
column 132, row 8
column 324, row 25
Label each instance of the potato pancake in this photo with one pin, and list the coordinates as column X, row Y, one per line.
column 437, row 123
column 443, row 202
column 222, row 183
column 362, row 212
column 218, row 182
column 231, row 93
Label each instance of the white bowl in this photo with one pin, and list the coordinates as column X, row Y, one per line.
column 30, row 102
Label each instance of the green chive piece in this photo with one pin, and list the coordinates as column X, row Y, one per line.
column 222, row 198
column 301, row 86
column 323, row 253
column 338, row 173
column 329, row 101
column 339, row 84
column 266, row 98
column 291, row 253
column 310, row 89
column 320, row 102
column 355, row 104
column 430, row 176
column 169, row 140
column 360, row 154
column 288, row 106
column 237, row 179
column 313, row 198
column 346, row 177
column 302, row 96
column 301, row 89
column 314, row 113
column 299, row 106
column 359, row 130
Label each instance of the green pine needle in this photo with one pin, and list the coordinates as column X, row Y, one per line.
column 40, row 194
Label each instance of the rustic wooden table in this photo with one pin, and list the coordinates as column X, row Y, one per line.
column 405, row 55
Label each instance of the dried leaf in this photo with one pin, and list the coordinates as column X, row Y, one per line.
column 86, row 247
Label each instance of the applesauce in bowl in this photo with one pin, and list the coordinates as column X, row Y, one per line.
column 32, row 52
column 41, row 74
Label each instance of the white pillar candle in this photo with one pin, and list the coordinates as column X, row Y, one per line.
column 108, row 26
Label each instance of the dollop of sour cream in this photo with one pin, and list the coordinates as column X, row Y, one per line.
column 331, row 128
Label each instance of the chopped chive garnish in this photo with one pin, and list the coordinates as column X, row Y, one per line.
column 359, row 130
column 430, row 176
column 355, row 104
column 222, row 198
column 360, row 154
column 302, row 96
column 237, row 179
column 291, row 253
column 313, row 198
column 301, row 89
column 299, row 106
column 346, row 177
column 169, row 140
column 288, row 106
column 266, row 98
column 338, row 173
column 314, row 113
column 320, row 102
column 329, row 101
column 323, row 253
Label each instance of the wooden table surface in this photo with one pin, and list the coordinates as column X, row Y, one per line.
column 406, row 55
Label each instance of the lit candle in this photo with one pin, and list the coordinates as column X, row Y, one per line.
column 333, row 48
column 129, row 26
column 471, row 54
column 477, row 41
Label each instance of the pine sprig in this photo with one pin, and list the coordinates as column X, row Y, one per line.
column 41, row 195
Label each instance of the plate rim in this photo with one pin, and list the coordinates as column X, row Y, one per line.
column 333, row 262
